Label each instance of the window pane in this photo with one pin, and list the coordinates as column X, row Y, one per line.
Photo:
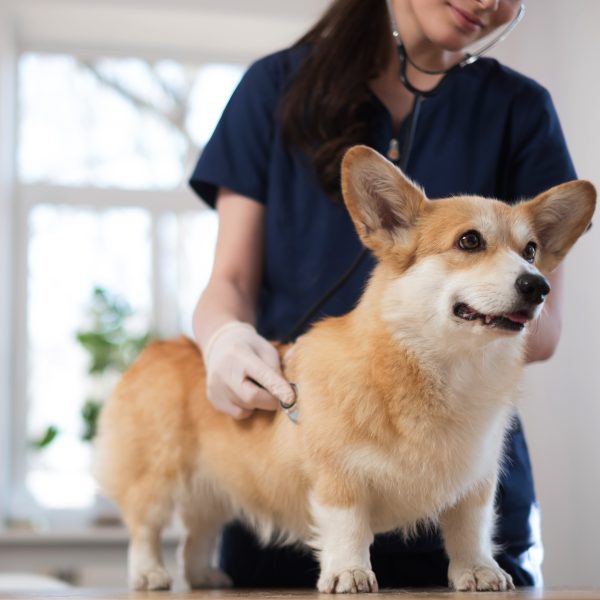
column 197, row 235
column 72, row 251
column 120, row 122
column 187, row 246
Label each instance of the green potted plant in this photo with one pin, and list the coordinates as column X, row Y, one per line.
column 112, row 347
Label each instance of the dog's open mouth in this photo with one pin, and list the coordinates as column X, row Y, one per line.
column 513, row 321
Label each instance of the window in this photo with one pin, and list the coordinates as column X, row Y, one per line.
column 104, row 150
column 115, row 122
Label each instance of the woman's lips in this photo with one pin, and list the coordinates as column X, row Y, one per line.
column 466, row 20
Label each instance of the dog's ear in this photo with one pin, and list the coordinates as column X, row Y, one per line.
column 559, row 217
column 382, row 202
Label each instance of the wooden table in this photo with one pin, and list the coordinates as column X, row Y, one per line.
column 430, row 594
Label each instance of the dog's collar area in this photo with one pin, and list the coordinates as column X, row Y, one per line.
column 513, row 321
column 291, row 409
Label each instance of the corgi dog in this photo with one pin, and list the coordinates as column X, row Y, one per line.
column 403, row 403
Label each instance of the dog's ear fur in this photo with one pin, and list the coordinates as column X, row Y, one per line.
column 559, row 216
column 382, row 202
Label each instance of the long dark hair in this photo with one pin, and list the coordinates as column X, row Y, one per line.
column 321, row 110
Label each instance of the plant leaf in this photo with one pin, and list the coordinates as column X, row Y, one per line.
column 46, row 438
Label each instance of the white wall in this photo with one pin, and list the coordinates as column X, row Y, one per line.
column 558, row 44
column 233, row 30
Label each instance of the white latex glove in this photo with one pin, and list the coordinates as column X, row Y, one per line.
column 243, row 372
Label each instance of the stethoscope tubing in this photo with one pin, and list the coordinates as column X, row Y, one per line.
column 468, row 59
column 299, row 326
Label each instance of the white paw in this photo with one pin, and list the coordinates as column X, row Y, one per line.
column 153, row 578
column 350, row 581
column 210, row 579
column 488, row 577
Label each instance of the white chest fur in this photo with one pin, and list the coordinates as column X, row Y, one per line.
column 409, row 484
column 435, row 461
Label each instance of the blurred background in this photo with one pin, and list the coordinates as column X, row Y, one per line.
column 104, row 108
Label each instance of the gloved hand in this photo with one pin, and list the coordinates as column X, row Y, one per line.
column 243, row 371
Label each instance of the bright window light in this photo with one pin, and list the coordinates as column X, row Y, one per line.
column 116, row 122
column 71, row 252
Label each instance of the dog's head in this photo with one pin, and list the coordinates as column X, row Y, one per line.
column 462, row 263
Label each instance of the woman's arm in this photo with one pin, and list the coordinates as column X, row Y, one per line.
column 543, row 339
column 232, row 291
column 243, row 369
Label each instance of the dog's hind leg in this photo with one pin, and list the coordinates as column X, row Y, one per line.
column 145, row 513
column 202, row 515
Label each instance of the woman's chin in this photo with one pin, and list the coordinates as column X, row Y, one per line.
column 453, row 41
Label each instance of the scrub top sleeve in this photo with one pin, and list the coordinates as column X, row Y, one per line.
column 541, row 158
column 237, row 154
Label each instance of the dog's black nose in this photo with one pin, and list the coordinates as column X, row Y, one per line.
column 533, row 288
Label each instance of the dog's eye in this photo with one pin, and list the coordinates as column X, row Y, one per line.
column 471, row 240
column 530, row 251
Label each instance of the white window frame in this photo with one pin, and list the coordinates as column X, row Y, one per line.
column 178, row 29
column 7, row 145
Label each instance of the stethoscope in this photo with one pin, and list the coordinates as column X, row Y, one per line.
column 468, row 59
column 402, row 160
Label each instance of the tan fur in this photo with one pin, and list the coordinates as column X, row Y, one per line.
column 401, row 420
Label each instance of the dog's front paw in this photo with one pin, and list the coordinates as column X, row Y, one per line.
column 349, row 581
column 486, row 577
column 210, row 579
column 153, row 578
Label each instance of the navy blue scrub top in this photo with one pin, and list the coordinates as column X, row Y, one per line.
column 489, row 131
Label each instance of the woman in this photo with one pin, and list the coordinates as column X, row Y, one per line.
column 271, row 169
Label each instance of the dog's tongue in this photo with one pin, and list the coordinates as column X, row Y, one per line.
column 517, row 317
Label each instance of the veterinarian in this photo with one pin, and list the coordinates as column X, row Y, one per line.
column 403, row 86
